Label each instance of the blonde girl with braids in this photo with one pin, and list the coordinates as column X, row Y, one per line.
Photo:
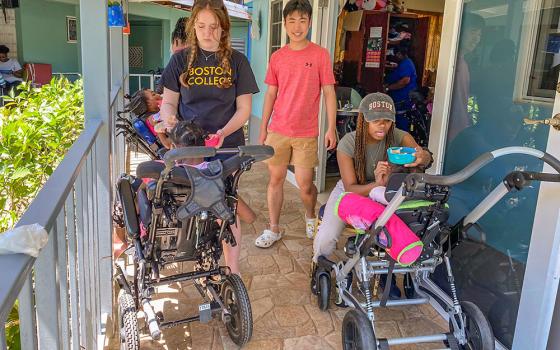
column 211, row 84
column 362, row 160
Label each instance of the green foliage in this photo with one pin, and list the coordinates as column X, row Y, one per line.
column 37, row 128
column 12, row 329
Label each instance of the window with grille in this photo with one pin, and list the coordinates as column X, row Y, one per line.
column 275, row 26
column 136, row 56
column 239, row 45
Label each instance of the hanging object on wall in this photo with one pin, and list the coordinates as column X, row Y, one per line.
column 373, row 4
column 115, row 15
column 256, row 27
column 126, row 28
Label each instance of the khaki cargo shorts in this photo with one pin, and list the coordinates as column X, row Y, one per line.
column 297, row 151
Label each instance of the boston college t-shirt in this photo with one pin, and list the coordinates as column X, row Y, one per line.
column 204, row 102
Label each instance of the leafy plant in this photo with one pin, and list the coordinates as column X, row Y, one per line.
column 12, row 329
column 37, row 127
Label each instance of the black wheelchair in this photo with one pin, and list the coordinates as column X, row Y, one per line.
column 186, row 213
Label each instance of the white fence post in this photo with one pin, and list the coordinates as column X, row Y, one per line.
column 96, row 70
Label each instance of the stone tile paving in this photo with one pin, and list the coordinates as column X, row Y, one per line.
column 285, row 312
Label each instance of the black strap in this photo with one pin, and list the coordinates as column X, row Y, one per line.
column 388, row 283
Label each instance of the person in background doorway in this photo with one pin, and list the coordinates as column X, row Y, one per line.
column 179, row 35
column 11, row 70
column 399, row 83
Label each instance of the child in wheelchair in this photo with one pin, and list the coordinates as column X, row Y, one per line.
column 142, row 128
column 187, row 206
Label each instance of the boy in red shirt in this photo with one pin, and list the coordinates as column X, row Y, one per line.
column 296, row 75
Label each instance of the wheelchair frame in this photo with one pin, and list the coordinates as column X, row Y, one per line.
column 147, row 261
column 429, row 292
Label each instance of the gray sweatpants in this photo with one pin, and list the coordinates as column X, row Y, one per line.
column 331, row 226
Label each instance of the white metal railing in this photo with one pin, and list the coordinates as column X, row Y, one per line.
column 59, row 294
column 140, row 81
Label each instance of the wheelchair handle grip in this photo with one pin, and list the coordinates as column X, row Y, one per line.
column 418, row 181
column 176, row 154
column 259, row 152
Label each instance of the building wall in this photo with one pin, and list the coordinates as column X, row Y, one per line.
column 41, row 34
column 258, row 54
column 147, row 35
column 8, row 32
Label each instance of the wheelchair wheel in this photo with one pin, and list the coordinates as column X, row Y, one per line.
column 324, row 291
column 236, row 299
column 130, row 339
column 477, row 328
column 357, row 332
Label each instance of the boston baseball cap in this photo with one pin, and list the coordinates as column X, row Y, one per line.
column 377, row 106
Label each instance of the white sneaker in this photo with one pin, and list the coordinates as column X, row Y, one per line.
column 267, row 239
column 310, row 227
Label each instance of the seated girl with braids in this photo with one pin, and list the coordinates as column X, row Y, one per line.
column 364, row 169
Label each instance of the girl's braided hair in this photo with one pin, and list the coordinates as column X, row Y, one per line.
column 187, row 133
column 224, row 50
column 137, row 103
column 362, row 136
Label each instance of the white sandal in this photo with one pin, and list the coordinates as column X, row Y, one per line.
column 267, row 239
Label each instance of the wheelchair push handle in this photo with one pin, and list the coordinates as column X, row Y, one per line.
column 418, row 181
column 258, row 152
column 177, row 154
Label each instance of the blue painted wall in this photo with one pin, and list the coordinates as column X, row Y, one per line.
column 259, row 52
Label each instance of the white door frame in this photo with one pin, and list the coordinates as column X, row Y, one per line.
column 542, row 273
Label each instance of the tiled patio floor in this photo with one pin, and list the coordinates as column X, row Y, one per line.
column 285, row 312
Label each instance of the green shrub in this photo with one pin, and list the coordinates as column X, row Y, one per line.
column 37, row 128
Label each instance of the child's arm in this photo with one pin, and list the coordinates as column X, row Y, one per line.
column 239, row 118
column 168, row 110
column 269, row 99
column 330, row 102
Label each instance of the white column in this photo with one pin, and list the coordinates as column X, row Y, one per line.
column 96, row 76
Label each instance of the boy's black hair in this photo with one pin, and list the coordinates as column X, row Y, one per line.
column 4, row 49
column 137, row 104
column 187, row 133
column 179, row 33
column 301, row 6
